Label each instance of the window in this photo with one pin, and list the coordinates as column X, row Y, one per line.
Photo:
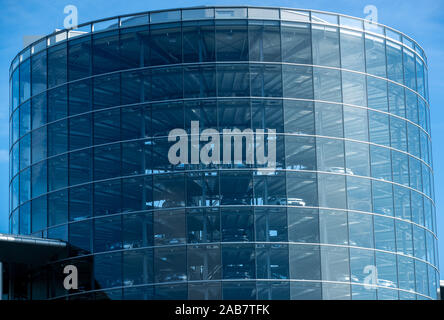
column 165, row 44
column 38, row 145
column 202, row 189
column 137, row 230
column 57, row 103
column 108, row 272
column 80, row 237
column 299, row 117
column 355, row 123
column 106, row 126
column 107, row 197
column 57, row 172
column 387, row 275
column 38, row 72
column 166, row 117
column 380, row 163
column 57, row 65
column 379, row 128
column 204, row 262
column 79, row 57
column 327, row 84
column 80, row 97
column 264, row 41
column 325, row 41
column 300, row 153
column 25, row 186
column 57, row 137
column 170, row 264
column 357, row 158
column 199, row 82
column 80, row 132
column 198, row 41
column 266, row 80
column 233, row 80
column 203, row 225
column 303, row 225
column 297, row 82
column 131, row 44
column 169, row 227
column 138, row 267
column 133, row 158
column 238, row 261
column 133, row 87
column 39, row 179
column 25, row 152
column 39, row 214
column 396, row 99
column 384, row 233
column 272, row 261
column 236, row 188
column 400, row 168
column 301, row 189
column 401, row 198
column 80, row 168
column 302, row 260
column 332, row 189
column 377, row 94
column 80, row 202
column 375, row 55
column 352, row 50
column 106, row 52
column 57, row 208
column 398, row 133
column 409, row 69
column 107, row 162
column 354, row 88
column 296, row 43
column 25, row 80
column 411, row 106
column 106, row 91
column 329, row 119
column 167, row 83
column 39, row 111
column 231, row 40
column 108, row 234
column 237, row 224
column 268, row 114
column 404, row 239
column 169, row 191
column 357, row 194
column 360, row 227
column 335, row 264
column 394, row 62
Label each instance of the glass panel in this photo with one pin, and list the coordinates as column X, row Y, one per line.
column 39, row 73
column 108, row 235
column 297, row 82
column 301, row 189
column 80, row 168
column 233, row 81
column 300, row 153
column 400, row 168
column 329, row 119
column 25, row 80
column 377, row 94
column 57, row 208
column 335, row 264
column 107, row 197
column 332, row 190
column 264, row 41
column 357, row 158
column 381, row 163
column 354, row 88
column 57, row 65
column 386, row 265
column 105, row 50
column 106, row 91
column 398, row 134
column 165, row 45
column 327, row 84
column 379, row 128
column 38, row 145
column 352, row 50
column 80, row 203
column 298, row 117
column 333, row 227
column 79, row 58
column 39, row 179
column 296, row 43
column 355, row 123
column 325, row 42
column 131, row 44
column 303, row 226
column 39, row 214
column 409, row 69
column 305, row 262
column 384, row 233
column 199, row 82
column 198, row 42
column 357, row 191
column 404, row 239
column 169, row 227
column 394, row 62
column 375, row 55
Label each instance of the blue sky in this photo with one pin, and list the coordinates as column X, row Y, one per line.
column 422, row 20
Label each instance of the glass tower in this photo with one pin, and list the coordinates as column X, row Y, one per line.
column 348, row 212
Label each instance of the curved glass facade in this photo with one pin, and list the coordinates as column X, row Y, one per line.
column 353, row 187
